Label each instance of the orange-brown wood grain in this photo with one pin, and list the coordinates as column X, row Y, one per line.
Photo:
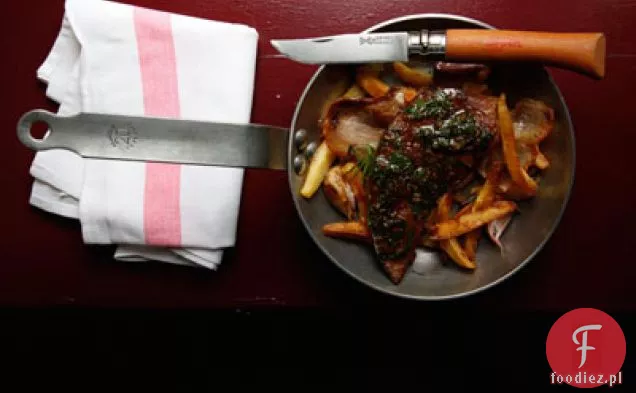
column 583, row 52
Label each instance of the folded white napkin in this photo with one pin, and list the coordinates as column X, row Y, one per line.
column 116, row 58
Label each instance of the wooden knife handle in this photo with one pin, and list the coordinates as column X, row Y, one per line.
column 581, row 52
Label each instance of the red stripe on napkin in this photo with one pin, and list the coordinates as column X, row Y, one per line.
column 158, row 66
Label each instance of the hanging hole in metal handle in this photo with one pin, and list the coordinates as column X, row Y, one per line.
column 34, row 128
column 39, row 130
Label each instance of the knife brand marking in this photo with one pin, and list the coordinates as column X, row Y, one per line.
column 123, row 137
column 376, row 40
column 503, row 44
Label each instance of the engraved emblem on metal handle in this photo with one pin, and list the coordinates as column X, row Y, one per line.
column 123, row 137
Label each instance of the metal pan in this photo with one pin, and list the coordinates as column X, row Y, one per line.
column 257, row 146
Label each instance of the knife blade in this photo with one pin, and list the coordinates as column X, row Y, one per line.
column 579, row 52
column 347, row 48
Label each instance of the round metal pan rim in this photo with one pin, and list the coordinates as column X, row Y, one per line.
column 505, row 276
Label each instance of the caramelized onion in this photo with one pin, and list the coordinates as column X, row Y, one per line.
column 348, row 124
column 354, row 122
column 532, row 121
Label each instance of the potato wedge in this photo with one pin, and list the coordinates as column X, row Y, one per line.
column 348, row 230
column 510, row 190
column 451, row 246
column 540, row 160
column 485, row 198
column 339, row 191
column 453, row 228
column 354, row 91
column 318, row 167
column 442, row 213
column 412, row 76
column 471, row 243
column 486, row 194
column 519, row 176
column 465, row 210
column 457, row 253
column 367, row 78
column 353, row 176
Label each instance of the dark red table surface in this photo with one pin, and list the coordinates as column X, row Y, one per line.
column 589, row 261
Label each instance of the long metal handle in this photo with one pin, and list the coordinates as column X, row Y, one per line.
column 151, row 139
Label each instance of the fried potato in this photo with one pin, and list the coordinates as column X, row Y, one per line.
column 470, row 244
column 353, row 176
column 518, row 175
column 412, row 76
column 540, row 160
column 339, row 191
column 486, row 194
column 367, row 78
column 451, row 246
column 354, row 92
column 485, row 198
column 464, row 210
column 348, row 229
column 457, row 253
column 318, row 167
column 453, row 228
column 510, row 190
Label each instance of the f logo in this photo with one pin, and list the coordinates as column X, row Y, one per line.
column 584, row 347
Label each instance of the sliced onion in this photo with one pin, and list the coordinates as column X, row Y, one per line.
column 527, row 155
column 347, row 124
column 496, row 229
column 531, row 156
column 532, row 120
column 532, row 123
column 359, row 122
